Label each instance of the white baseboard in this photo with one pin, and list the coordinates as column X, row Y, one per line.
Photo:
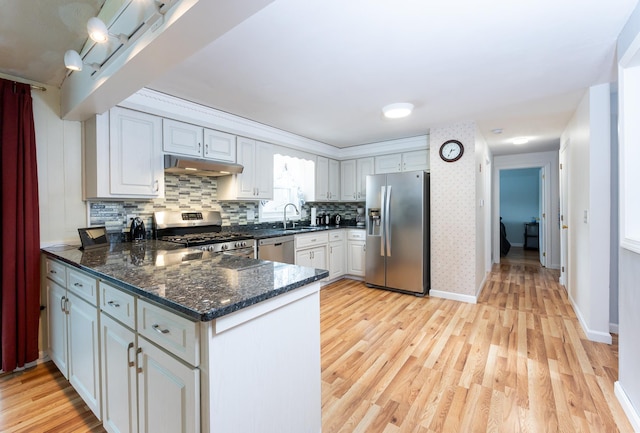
column 469, row 299
column 597, row 336
column 613, row 328
column 627, row 406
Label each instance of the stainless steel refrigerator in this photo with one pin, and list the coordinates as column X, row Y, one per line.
column 397, row 225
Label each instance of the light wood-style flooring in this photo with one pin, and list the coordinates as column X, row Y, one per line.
column 515, row 362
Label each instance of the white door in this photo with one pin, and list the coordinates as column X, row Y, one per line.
column 365, row 167
column 264, row 170
column 84, row 352
column 246, row 153
column 336, row 259
column 181, row 138
column 219, row 145
column 56, row 298
column 119, row 392
column 564, row 217
column 168, row 392
column 322, row 178
column 355, row 258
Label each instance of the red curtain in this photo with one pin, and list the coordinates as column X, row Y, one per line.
column 20, row 230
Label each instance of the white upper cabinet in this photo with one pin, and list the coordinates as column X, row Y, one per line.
column 123, row 155
column 353, row 174
column 256, row 180
column 327, row 179
column 397, row 162
column 186, row 139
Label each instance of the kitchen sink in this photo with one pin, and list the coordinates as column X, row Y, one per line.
column 300, row 228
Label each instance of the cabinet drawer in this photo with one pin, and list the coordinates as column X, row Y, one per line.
column 118, row 304
column 56, row 271
column 311, row 239
column 336, row 235
column 82, row 285
column 173, row 333
column 356, row 235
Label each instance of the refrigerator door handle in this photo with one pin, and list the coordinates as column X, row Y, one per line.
column 387, row 220
column 383, row 194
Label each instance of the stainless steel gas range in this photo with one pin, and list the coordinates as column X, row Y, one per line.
column 201, row 230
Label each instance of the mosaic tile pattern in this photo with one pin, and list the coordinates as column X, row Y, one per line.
column 195, row 192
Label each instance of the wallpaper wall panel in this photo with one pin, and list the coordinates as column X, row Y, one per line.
column 453, row 212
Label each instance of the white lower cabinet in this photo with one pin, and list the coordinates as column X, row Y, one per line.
column 73, row 335
column 356, row 247
column 311, row 250
column 337, row 257
column 145, row 388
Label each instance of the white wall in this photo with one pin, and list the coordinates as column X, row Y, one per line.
column 483, row 210
column 519, row 201
column 628, row 385
column 588, row 215
column 59, row 152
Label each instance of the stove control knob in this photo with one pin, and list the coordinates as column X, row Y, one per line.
column 224, row 247
column 210, row 248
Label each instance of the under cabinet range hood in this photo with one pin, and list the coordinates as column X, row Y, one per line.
column 202, row 167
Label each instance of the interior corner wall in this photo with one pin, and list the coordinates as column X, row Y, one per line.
column 453, row 215
column 482, row 205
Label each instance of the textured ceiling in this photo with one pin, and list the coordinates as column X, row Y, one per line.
column 324, row 69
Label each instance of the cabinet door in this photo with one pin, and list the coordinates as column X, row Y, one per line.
column 136, row 158
column 334, row 180
column 365, row 167
column 246, row 155
column 319, row 258
column 388, row 163
column 168, row 392
column 219, row 145
column 84, row 351
column 417, row 160
column 264, row 170
column 322, row 179
column 181, row 138
column 336, row 259
column 305, row 258
column 348, row 191
column 356, row 258
column 57, row 318
column 119, row 392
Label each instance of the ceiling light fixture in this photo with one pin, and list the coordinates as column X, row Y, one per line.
column 497, row 131
column 99, row 33
column 397, row 110
column 520, row 140
column 73, row 61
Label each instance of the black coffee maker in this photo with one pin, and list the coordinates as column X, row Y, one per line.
column 137, row 231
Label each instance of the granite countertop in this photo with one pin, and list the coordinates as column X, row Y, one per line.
column 198, row 284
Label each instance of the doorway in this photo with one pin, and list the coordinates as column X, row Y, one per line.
column 521, row 211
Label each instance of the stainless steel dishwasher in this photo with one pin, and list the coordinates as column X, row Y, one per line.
column 279, row 249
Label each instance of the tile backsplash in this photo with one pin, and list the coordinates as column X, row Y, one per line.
column 184, row 192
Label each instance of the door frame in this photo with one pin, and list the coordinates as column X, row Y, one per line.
column 544, row 160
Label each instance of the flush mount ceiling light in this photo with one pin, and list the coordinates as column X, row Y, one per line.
column 520, row 140
column 73, row 61
column 397, row 110
column 497, row 131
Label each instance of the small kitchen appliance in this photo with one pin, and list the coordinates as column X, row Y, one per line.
column 360, row 217
column 137, row 230
column 201, row 230
column 337, row 218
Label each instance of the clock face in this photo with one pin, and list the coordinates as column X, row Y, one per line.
column 451, row 150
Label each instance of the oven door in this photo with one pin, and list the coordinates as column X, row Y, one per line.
column 248, row 252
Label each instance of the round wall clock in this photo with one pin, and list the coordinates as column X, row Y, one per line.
column 451, row 150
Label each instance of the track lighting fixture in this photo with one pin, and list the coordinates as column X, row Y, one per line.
column 99, row 33
column 73, row 61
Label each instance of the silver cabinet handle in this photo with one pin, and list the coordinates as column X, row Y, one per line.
column 157, row 186
column 52, row 271
column 138, row 352
column 77, row 284
column 206, row 149
column 157, row 328
column 130, row 363
column 62, row 302
column 113, row 304
column 199, row 147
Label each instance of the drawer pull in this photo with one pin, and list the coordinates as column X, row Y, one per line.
column 138, row 362
column 53, row 271
column 113, row 304
column 157, row 328
column 77, row 284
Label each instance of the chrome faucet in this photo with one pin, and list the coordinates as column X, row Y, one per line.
column 284, row 221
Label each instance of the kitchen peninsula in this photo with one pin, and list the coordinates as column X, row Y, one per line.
column 155, row 337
